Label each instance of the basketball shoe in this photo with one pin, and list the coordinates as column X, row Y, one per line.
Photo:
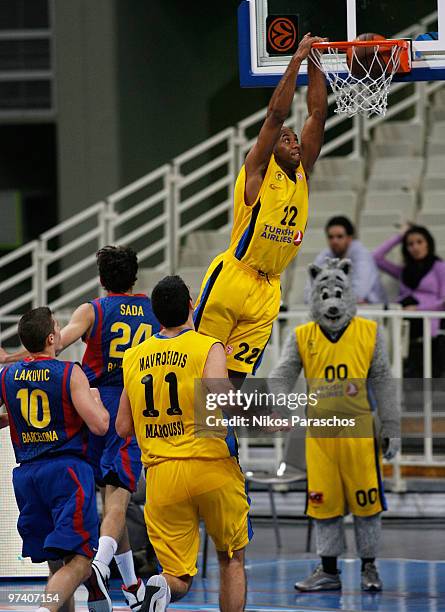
column 98, row 591
column 320, row 580
column 370, row 579
column 134, row 595
column 157, row 595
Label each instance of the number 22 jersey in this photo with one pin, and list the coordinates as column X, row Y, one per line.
column 121, row 321
column 267, row 235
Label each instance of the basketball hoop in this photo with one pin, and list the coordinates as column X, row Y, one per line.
column 360, row 72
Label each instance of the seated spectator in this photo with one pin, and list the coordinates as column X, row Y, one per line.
column 365, row 276
column 422, row 287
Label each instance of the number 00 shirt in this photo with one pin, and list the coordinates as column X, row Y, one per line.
column 162, row 379
column 267, row 235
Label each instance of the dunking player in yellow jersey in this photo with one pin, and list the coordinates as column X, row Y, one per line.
column 189, row 476
column 240, row 295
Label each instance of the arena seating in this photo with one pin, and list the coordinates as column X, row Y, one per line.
column 393, row 184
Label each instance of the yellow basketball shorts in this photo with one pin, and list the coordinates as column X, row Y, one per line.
column 180, row 493
column 237, row 305
column 344, row 475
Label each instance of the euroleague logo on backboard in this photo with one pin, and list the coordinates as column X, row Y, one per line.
column 282, row 34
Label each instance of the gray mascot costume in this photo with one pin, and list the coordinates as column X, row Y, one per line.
column 346, row 356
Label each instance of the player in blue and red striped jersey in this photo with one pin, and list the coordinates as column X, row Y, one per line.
column 109, row 325
column 49, row 405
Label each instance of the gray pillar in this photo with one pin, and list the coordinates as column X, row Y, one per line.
column 88, row 151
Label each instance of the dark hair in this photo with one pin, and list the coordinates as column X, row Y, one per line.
column 170, row 300
column 414, row 270
column 118, row 266
column 417, row 229
column 34, row 328
column 344, row 222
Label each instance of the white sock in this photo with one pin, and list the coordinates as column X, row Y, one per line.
column 125, row 565
column 105, row 552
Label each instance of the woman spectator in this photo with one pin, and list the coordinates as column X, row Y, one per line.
column 422, row 287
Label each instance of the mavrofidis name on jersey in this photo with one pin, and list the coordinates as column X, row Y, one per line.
column 163, row 358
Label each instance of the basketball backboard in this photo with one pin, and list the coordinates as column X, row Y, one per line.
column 337, row 20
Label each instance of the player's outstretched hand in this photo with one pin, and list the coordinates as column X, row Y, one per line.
column 3, row 355
column 305, row 45
column 390, row 447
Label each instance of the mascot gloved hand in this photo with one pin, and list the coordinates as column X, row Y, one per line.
column 390, row 447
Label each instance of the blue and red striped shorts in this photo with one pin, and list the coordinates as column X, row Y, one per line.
column 57, row 503
column 115, row 461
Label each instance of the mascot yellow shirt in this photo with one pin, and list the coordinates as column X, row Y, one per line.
column 348, row 357
column 337, row 370
column 267, row 235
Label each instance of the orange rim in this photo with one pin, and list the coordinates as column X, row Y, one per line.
column 404, row 45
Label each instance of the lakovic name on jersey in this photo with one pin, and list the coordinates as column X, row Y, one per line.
column 32, row 375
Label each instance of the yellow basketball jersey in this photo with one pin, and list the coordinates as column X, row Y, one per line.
column 159, row 377
column 267, row 235
column 338, row 370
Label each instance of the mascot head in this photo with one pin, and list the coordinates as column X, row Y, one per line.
column 333, row 304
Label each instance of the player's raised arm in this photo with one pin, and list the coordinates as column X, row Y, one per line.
column 277, row 112
column 88, row 404
column 80, row 324
column 312, row 134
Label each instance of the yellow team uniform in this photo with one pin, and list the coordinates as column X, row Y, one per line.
column 190, row 475
column 240, row 294
column 343, row 472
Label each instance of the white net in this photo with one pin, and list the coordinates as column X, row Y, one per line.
column 360, row 81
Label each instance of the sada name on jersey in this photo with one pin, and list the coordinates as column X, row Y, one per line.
column 32, row 375
column 164, row 431
column 132, row 309
column 163, row 358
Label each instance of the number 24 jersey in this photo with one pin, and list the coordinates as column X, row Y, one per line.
column 120, row 322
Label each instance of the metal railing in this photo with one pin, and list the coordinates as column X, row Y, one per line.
column 392, row 322
column 157, row 213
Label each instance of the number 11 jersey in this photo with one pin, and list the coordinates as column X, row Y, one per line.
column 162, row 378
